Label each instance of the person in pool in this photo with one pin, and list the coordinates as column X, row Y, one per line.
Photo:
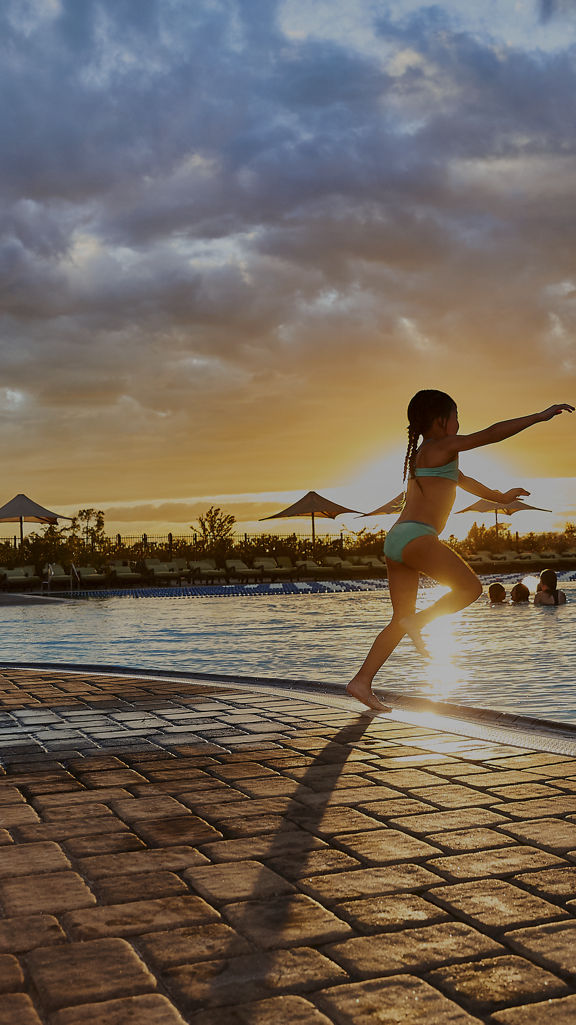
column 412, row 545
column 547, row 592
column 497, row 594
column 520, row 594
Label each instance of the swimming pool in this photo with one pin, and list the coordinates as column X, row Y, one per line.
column 513, row 658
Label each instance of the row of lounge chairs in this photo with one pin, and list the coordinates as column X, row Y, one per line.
column 263, row 568
column 512, row 559
column 181, row 571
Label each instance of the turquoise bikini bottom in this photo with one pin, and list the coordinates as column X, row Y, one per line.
column 401, row 533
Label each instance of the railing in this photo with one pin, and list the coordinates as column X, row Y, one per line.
column 129, row 540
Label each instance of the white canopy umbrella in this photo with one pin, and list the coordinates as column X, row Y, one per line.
column 21, row 509
column 389, row 508
column 485, row 505
column 312, row 504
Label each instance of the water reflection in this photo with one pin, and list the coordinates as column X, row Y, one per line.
column 444, row 672
column 518, row 658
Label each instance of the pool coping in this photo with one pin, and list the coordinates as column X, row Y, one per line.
column 404, row 704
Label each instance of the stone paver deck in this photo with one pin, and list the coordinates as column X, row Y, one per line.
column 173, row 852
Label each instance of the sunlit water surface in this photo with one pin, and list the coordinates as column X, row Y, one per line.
column 517, row 658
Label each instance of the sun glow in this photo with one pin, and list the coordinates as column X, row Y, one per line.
column 444, row 672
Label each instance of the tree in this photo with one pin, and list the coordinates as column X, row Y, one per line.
column 90, row 522
column 216, row 528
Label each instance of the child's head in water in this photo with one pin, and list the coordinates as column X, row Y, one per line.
column 497, row 594
column 548, row 581
column 520, row 594
column 549, row 584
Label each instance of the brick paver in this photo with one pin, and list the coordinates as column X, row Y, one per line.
column 135, row 917
column 18, row 1007
column 555, row 835
column 395, row 911
column 289, row 1010
column 236, row 880
column 289, row 921
column 51, row 892
column 487, row 985
column 192, row 944
column 80, row 973
column 177, row 853
column 553, row 1012
column 494, row 904
column 394, row 1001
column 251, row 977
column 552, row 945
column 11, row 976
column 18, row 935
column 418, row 949
column 150, row 1009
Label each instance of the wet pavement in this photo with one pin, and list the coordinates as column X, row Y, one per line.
column 173, row 852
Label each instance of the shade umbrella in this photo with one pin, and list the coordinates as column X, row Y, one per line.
column 485, row 505
column 393, row 506
column 312, row 504
column 22, row 509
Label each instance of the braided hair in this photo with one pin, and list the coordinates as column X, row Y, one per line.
column 423, row 409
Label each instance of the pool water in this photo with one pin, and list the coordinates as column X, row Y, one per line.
column 515, row 658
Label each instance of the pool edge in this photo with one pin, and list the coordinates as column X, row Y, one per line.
column 402, row 703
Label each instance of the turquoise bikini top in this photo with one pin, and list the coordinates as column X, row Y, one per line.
column 449, row 471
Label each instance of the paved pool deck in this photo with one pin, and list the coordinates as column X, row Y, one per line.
column 179, row 851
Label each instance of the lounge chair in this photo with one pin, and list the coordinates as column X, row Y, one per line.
column 21, row 576
column 478, row 559
column 549, row 556
column 55, row 575
column 122, row 573
column 238, row 570
column 182, row 567
column 361, row 568
column 490, row 556
column 528, row 557
column 206, row 570
column 161, row 572
column 89, row 576
column 310, row 568
column 510, row 555
column 375, row 564
column 285, row 562
column 342, row 567
column 270, row 568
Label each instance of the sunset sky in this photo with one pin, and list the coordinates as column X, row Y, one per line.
column 238, row 235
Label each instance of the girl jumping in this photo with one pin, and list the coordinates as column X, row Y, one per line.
column 412, row 545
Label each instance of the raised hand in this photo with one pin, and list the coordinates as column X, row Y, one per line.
column 513, row 494
column 547, row 414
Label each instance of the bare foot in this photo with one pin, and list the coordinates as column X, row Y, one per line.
column 363, row 692
column 409, row 625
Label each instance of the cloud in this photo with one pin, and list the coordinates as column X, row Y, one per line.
column 556, row 8
column 221, row 238
column 180, row 513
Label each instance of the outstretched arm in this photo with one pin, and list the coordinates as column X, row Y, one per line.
column 502, row 430
column 474, row 487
